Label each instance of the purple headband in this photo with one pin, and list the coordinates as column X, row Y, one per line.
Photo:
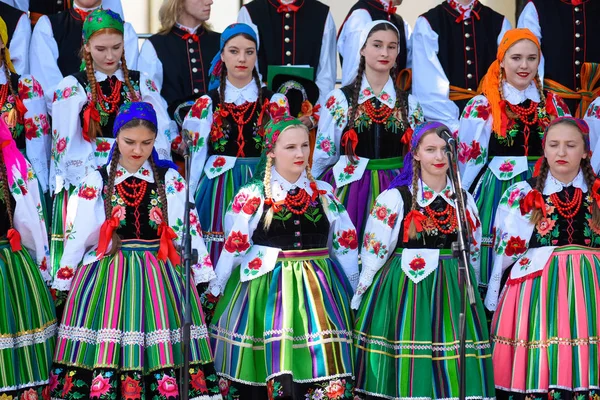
column 406, row 175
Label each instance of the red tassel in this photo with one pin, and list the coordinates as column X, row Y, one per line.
column 167, row 248
column 90, row 113
column 14, row 238
column 471, row 223
column 20, row 108
column 533, row 200
column 414, row 216
column 106, row 232
column 276, row 206
column 316, row 191
column 538, row 166
column 503, row 119
column 407, row 137
column 351, row 136
column 261, row 131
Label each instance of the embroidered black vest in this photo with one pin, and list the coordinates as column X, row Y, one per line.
column 185, row 64
column 67, row 28
column 376, row 11
column 466, row 48
column 224, row 140
column 376, row 141
column 289, row 38
column 107, row 119
column 48, row 7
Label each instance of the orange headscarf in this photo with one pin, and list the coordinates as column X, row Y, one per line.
column 491, row 81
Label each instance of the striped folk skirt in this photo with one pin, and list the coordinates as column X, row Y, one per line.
column 359, row 196
column 546, row 329
column 58, row 229
column 120, row 335
column 213, row 196
column 286, row 334
column 487, row 194
column 27, row 326
column 406, row 337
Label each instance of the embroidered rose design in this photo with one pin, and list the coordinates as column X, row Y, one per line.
column 515, row 246
column 119, row 212
column 30, row 129
column 348, row 239
column 330, row 102
column 102, row 146
column 251, row 205
column 167, row 386
column 88, row 192
column 349, row 169
column 427, row 195
column 545, row 226
column 65, row 273
column 237, row 242
column 335, row 389
column 29, row 395
column 179, row 185
column 326, row 145
column 392, row 220
column 199, row 382
column 100, row 386
column 507, row 166
column 385, row 96
column 224, row 386
column 130, row 388
column 156, row 215
column 68, row 385
column 483, row 111
column 146, row 172
column 475, row 150
column 219, row 162
column 61, row 145
column 238, row 202
column 255, row 264
column 417, row 264
column 381, row 213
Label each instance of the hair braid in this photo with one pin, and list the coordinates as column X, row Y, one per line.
column 134, row 95
column 353, row 105
column 540, row 88
column 536, row 213
column 94, row 127
column 222, row 85
column 590, row 177
column 6, row 191
column 311, row 178
column 412, row 229
column 268, row 194
column 160, row 185
column 110, row 190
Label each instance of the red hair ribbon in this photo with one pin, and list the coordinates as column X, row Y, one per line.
column 167, row 248
column 532, row 201
column 414, row 216
column 351, row 136
column 276, row 206
column 316, row 191
column 407, row 137
column 595, row 190
column 14, row 238
column 90, row 113
column 106, row 232
column 261, row 131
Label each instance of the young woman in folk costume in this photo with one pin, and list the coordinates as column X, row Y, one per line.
column 366, row 126
column 120, row 332
column 227, row 127
column 27, row 321
column 282, row 328
column 23, row 108
column 84, row 109
column 408, row 268
column 545, row 328
column 501, row 130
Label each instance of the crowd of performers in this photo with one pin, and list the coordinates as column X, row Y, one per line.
column 323, row 217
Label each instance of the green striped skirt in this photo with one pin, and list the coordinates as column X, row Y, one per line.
column 27, row 325
column 120, row 333
column 406, row 337
column 286, row 334
column 57, row 238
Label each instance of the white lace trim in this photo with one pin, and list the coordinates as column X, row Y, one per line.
column 550, row 387
column 22, row 386
column 453, row 347
column 319, row 379
column 135, row 338
column 283, row 334
column 420, row 398
column 28, row 339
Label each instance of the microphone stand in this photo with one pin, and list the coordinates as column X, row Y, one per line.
column 189, row 257
column 460, row 251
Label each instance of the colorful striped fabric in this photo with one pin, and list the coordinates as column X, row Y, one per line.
column 406, row 337
column 487, row 193
column 122, row 314
column 27, row 325
column 59, row 216
column 358, row 197
column 546, row 329
column 288, row 332
column 213, row 197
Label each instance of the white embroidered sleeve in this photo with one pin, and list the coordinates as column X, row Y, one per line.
column 132, row 51
column 19, row 45
column 43, row 59
column 197, row 126
column 167, row 128
column 415, row 112
column 476, row 235
column 327, row 69
column 333, row 120
column 150, row 64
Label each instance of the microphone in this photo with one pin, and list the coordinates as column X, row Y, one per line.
column 444, row 133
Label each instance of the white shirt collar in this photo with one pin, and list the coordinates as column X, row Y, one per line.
column 101, row 76
column 461, row 8
column 280, row 186
column 144, row 173
column 426, row 195
column 515, row 96
column 387, row 95
column 86, row 9
column 2, row 74
column 553, row 185
column 187, row 28
column 238, row 96
column 287, row 1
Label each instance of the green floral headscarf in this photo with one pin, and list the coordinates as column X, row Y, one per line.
column 101, row 19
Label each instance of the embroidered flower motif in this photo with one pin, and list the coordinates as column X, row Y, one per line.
column 274, row 389
column 156, row 215
column 167, row 386
column 199, row 382
column 381, row 213
column 350, row 168
column 88, row 192
column 30, row 129
column 515, row 246
column 335, row 389
column 348, row 239
column 483, row 111
column 65, row 273
column 475, row 150
column 255, row 264
column 366, row 92
column 61, row 145
column 417, row 264
column 384, row 96
column 131, row 389
column 330, row 102
column 507, row 166
column 514, row 196
column 145, row 172
column 53, row 381
column 119, row 212
column 68, row 385
column 219, row 162
column 224, row 386
column 325, row 145
column 29, row 395
column 44, row 265
column 545, row 226
column 102, row 146
column 237, row 242
column 179, row 185
column 251, row 205
column 100, row 386
column 427, row 194
column 392, row 220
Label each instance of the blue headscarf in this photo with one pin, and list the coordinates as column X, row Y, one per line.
column 406, row 175
column 138, row 110
column 230, row 32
